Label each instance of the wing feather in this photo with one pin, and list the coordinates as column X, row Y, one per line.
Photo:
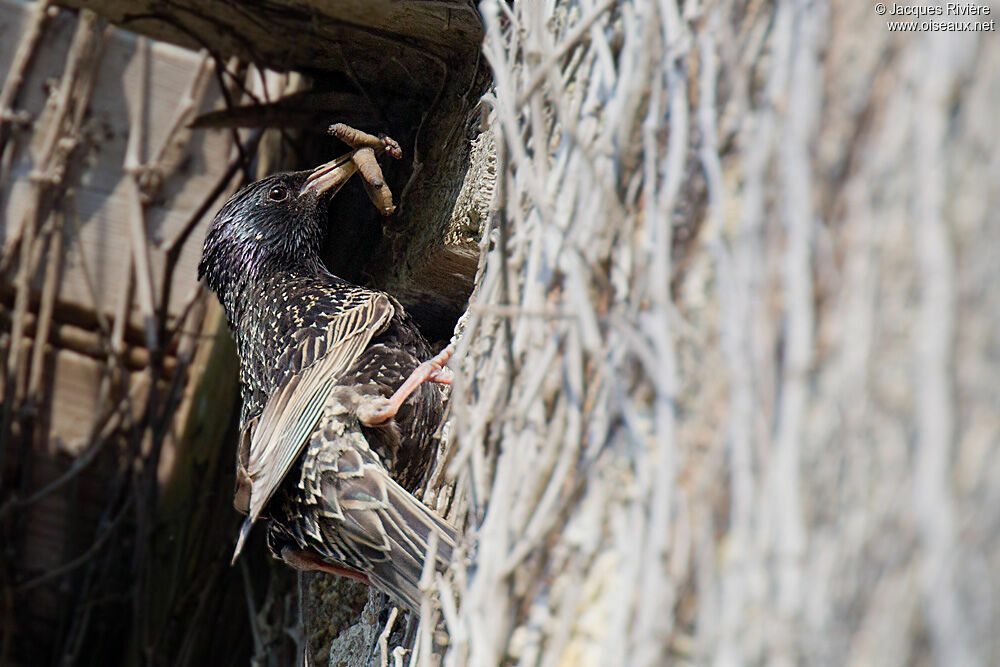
column 292, row 413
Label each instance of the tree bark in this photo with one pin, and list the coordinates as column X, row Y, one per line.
column 723, row 391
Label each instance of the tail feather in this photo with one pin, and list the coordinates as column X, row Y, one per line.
column 403, row 526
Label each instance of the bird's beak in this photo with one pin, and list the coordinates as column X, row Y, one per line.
column 330, row 177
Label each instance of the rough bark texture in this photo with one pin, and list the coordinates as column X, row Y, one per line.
column 774, row 439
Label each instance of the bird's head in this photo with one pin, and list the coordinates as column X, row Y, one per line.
column 277, row 223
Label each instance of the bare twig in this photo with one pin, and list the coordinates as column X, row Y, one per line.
column 47, row 305
column 383, row 638
column 93, row 550
column 27, row 47
column 137, row 215
column 59, row 137
column 258, row 644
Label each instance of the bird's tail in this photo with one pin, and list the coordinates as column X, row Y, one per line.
column 392, row 531
column 414, row 530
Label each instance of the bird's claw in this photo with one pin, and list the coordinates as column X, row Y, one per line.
column 377, row 411
column 441, row 375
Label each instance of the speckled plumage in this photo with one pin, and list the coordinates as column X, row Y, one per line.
column 313, row 348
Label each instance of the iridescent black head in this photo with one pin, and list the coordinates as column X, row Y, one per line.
column 277, row 223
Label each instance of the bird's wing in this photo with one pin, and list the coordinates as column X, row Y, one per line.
column 291, row 414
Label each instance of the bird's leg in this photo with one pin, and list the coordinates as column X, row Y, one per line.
column 432, row 370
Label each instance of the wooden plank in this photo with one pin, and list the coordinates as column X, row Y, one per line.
column 393, row 41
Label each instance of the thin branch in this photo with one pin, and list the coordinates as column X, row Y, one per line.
column 82, row 559
column 27, row 47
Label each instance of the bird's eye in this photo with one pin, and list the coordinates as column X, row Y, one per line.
column 278, row 193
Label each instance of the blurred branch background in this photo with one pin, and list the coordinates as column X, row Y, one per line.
column 727, row 382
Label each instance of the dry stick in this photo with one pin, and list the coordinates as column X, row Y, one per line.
column 106, row 425
column 515, row 312
column 70, row 212
column 655, row 587
column 738, row 270
column 563, row 624
column 92, row 551
column 795, row 150
column 22, row 283
column 154, row 172
column 427, row 619
column 458, row 457
column 383, row 638
column 144, row 478
column 46, row 307
column 27, row 47
column 761, row 150
column 523, row 496
column 561, row 461
column 164, row 407
column 227, row 91
column 525, row 167
column 189, row 103
column 137, row 213
column 474, row 410
column 938, row 522
column 82, row 86
column 51, row 165
column 448, row 609
column 510, row 125
column 489, row 624
column 116, row 344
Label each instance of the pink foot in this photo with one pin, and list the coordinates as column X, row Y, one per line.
column 432, row 370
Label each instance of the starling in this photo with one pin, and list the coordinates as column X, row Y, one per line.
column 337, row 418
